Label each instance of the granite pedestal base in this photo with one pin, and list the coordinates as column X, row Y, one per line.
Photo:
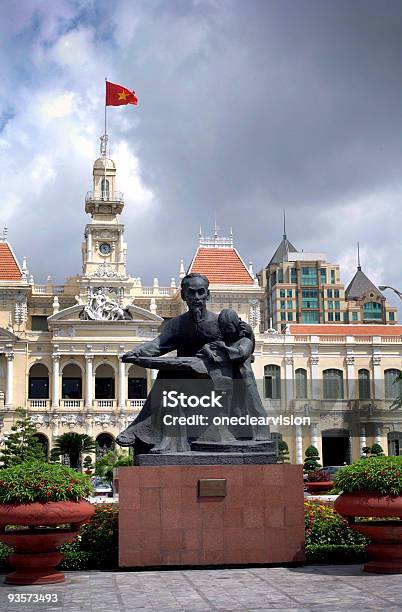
column 163, row 521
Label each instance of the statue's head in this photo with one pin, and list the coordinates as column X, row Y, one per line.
column 230, row 324
column 195, row 292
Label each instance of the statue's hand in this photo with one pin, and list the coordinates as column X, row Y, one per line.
column 206, row 352
column 217, row 344
column 131, row 356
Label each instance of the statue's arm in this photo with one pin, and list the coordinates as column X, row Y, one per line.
column 162, row 344
column 241, row 351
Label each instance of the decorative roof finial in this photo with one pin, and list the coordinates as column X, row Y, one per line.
column 5, row 233
column 284, row 224
column 358, row 257
column 182, row 273
column 104, row 145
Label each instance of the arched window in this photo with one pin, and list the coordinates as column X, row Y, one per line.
column 137, row 382
column 45, row 444
column 301, row 383
column 333, row 384
column 372, row 311
column 104, row 444
column 272, row 382
column 105, row 189
column 393, row 387
column 104, row 382
column 395, row 443
column 71, row 387
column 38, row 382
column 364, row 384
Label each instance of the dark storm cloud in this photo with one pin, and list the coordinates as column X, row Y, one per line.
column 247, row 108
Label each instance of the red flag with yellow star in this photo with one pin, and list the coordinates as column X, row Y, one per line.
column 116, row 95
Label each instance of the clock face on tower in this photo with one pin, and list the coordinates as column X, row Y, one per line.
column 105, row 248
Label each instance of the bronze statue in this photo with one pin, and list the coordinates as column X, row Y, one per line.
column 214, row 354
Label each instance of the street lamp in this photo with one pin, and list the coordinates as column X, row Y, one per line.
column 398, row 293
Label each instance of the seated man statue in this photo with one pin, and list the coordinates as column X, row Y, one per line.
column 186, row 334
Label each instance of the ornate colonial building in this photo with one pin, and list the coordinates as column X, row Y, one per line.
column 60, row 344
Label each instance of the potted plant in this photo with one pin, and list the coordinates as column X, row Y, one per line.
column 372, row 489
column 87, row 465
column 312, row 459
column 41, row 496
column 319, row 481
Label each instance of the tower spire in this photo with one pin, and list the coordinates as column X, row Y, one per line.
column 284, row 224
column 358, row 257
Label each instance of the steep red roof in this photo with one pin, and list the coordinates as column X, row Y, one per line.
column 221, row 265
column 9, row 268
column 346, row 330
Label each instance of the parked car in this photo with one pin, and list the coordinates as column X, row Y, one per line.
column 332, row 469
column 102, row 487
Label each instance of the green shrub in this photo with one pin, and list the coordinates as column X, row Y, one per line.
column 283, row 452
column 96, row 546
column 104, row 466
column 380, row 474
column 36, row 481
column 5, row 552
column 336, row 553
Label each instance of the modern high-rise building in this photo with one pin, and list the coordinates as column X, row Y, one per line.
column 303, row 287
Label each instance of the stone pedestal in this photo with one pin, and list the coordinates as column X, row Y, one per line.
column 164, row 521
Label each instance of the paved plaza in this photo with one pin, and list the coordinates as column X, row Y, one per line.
column 341, row 587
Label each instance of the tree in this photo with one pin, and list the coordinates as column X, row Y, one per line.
column 312, row 459
column 377, row 450
column 73, row 445
column 283, row 452
column 104, row 466
column 22, row 444
column 87, row 465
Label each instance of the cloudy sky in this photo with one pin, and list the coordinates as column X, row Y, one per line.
column 246, row 108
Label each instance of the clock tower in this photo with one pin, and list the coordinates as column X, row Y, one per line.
column 104, row 249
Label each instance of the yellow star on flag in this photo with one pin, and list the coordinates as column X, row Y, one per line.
column 122, row 95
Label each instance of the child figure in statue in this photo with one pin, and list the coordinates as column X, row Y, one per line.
column 232, row 356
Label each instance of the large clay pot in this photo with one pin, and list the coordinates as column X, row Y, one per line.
column 385, row 546
column 318, row 487
column 36, row 549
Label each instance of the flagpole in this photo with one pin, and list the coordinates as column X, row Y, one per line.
column 105, row 104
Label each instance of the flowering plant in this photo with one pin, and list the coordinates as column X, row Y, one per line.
column 318, row 476
column 380, row 474
column 96, row 545
column 36, row 481
column 324, row 526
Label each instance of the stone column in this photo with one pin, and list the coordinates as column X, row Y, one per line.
column 299, row 444
column 350, row 367
column 121, row 247
column 88, row 381
column 122, row 385
column 378, row 382
column 89, row 244
column 10, row 379
column 363, row 439
column 314, row 435
column 289, row 380
column 315, row 387
column 378, row 435
column 55, row 425
column 56, row 381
